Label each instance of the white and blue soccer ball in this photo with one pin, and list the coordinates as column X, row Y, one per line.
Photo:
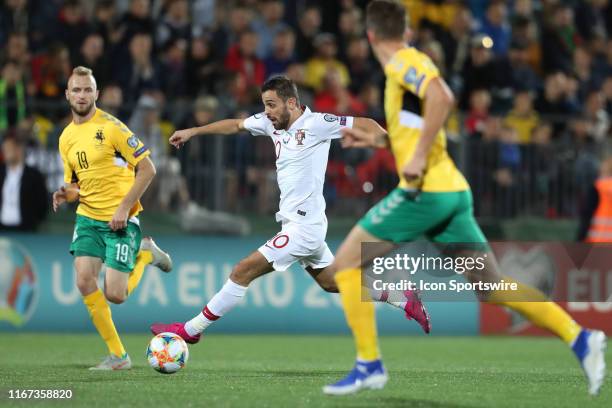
column 167, row 353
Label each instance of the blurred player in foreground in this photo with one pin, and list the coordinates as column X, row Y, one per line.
column 107, row 168
column 301, row 141
column 433, row 199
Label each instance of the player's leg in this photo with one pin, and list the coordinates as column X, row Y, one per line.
column 149, row 253
column 369, row 371
column 230, row 295
column 528, row 301
column 399, row 217
column 89, row 251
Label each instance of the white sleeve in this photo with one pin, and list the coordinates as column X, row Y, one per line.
column 257, row 124
column 329, row 126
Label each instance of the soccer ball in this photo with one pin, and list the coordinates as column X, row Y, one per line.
column 167, row 353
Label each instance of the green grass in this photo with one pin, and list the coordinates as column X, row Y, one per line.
column 288, row 371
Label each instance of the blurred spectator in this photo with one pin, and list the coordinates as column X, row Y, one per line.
column 325, row 60
column 559, row 39
column 71, row 27
column 607, row 91
column 591, row 18
column 370, row 97
column 13, row 18
column 507, row 175
column 104, row 21
column 136, row 20
column 92, row 56
column 349, row 27
column 16, row 50
column 297, row 73
column 480, row 102
column 50, row 73
column 111, row 101
column 595, row 113
column 140, row 73
column 204, row 16
column 283, row 53
column 175, row 24
column 482, row 70
column 13, row 98
column 554, row 101
column 240, row 20
column 23, row 198
column 525, row 37
column 522, row 118
column 335, row 98
column 168, row 183
column 495, row 25
column 584, row 72
column 203, row 68
column 596, row 208
column 308, row 28
column 241, row 58
column 173, row 69
column 361, row 69
column 456, row 41
column 269, row 25
column 522, row 72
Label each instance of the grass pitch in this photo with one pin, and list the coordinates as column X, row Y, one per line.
column 288, row 371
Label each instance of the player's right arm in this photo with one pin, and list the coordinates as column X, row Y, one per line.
column 221, row 127
column 69, row 192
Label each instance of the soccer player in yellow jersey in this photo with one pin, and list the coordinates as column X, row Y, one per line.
column 110, row 169
column 433, row 200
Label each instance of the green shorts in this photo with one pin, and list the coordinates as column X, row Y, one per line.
column 439, row 217
column 117, row 249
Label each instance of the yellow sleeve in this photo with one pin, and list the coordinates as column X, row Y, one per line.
column 126, row 143
column 69, row 173
column 413, row 71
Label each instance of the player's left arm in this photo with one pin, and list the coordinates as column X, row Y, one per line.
column 145, row 171
column 365, row 132
column 439, row 100
column 137, row 155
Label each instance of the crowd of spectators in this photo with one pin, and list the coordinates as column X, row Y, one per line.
column 533, row 80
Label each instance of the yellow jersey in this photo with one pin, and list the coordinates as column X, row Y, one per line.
column 407, row 76
column 101, row 155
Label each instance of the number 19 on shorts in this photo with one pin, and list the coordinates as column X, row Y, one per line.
column 122, row 252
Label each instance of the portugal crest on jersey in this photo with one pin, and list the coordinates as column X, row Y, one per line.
column 300, row 135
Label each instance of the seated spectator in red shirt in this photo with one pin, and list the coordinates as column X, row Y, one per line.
column 335, row 97
column 480, row 102
column 241, row 58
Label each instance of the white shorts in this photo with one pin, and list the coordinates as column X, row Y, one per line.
column 303, row 243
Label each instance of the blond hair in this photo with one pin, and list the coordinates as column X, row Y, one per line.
column 82, row 71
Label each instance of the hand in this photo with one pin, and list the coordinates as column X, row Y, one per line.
column 119, row 220
column 59, row 198
column 415, row 169
column 180, row 137
column 353, row 137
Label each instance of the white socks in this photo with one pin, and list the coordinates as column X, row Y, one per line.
column 229, row 296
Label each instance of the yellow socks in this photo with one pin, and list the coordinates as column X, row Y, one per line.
column 100, row 314
column 538, row 309
column 359, row 315
column 142, row 260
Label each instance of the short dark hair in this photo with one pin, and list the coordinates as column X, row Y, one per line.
column 387, row 18
column 285, row 88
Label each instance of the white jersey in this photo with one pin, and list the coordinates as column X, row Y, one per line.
column 301, row 160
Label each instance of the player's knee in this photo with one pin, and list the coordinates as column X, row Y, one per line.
column 240, row 274
column 115, row 297
column 329, row 286
column 86, row 284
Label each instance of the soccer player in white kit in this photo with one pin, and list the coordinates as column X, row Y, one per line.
column 301, row 141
